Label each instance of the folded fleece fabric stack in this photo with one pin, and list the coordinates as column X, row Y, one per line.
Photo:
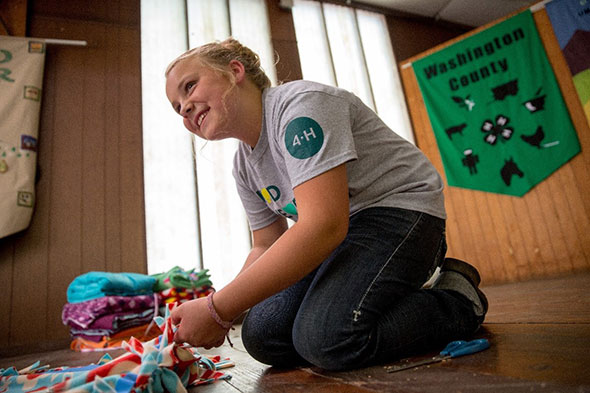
column 178, row 285
column 105, row 308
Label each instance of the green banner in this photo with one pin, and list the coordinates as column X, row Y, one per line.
column 497, row 113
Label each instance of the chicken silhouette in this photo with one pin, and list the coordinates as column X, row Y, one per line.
column 536, row 138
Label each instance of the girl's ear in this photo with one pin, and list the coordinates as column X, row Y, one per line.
column 238, row 70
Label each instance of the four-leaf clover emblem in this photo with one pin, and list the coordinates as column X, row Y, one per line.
column 495, row 130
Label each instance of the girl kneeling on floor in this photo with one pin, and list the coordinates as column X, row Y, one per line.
column 342, row 287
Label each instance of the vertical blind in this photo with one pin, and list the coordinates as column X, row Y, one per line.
column 172, row 232
column 173, row 220
column 351, row 48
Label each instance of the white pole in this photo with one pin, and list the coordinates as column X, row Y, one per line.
column 55, row 41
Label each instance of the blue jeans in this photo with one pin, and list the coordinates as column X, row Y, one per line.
column 364, row 304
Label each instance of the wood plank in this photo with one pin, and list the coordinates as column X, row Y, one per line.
column 517, row 244
column 134, row 254
column 108, row 12
column 579, row 222
column 562, row 260
column 65, row 220
column 126, row 11
column 284, row 43
column 505, row 267
column 56, row 358
column 558, row 353
column 541, row 241
column 6, row 270
column 472, row 220
column 580, row 216
column 93, row 184
column 521, row 358
column 411, row 35
column 555, row 300
column 30, row 280
column 579, row 173
column 14, row 18
column 559, row 201
column 464, row 225
column 112, row 113
column 491, row 254
column 464, row 220
column 527, row 268
column 41, row 219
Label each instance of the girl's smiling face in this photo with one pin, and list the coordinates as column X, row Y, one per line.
column 202, row 97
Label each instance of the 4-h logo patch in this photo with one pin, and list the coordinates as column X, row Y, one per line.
column 304, row 137
column 496, row 110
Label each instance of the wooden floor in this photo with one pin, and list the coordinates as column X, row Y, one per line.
column 540, row 342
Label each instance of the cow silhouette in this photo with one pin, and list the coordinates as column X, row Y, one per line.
column 455, row 129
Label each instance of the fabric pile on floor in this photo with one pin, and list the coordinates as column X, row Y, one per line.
column 159, row 365
column 104, row 309
column 179, row 285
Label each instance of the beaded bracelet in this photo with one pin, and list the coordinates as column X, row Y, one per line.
column 224, row 324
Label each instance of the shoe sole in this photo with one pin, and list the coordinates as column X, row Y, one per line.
column 470, row 273
column 463, row 268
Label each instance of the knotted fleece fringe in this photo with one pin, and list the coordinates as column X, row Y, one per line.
column 157, row 366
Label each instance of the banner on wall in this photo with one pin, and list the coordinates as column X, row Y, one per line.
column 570, row 20
column 496, row 110
column 21, row 77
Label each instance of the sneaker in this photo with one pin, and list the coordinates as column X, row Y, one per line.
column 466, row 270
column 471, row 274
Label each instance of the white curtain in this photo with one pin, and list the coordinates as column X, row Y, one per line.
column 350, row 48
column 218, row 229
column 21, row 78
column 172, row 231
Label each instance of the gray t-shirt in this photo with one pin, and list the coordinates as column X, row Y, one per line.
column 309, row 128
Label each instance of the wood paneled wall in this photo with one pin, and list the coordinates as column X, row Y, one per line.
column 546, row 232
column 89, row 212
column 284, row 42
column 412, row 36
column 14, row 17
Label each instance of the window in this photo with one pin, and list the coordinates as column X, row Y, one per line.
column 351, row 49
column 172, row 230
column 189, row 181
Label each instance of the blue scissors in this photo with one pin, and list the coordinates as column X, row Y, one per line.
column 453, row 350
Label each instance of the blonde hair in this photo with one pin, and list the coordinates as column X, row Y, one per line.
column 217, row 55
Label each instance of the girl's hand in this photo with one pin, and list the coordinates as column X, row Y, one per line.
column 196, row 326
